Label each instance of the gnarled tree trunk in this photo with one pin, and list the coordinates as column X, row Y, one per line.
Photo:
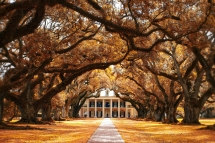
column 46, row 112
column 140, row 113
column 1, row 108
column 74, row 111
column 170, row 115
column 209, row 112
column 67, row 114
column 150, row 113
column 56, row 114
column 191, row 112
column 158, row 114
column 25, row 104
column 28, row 113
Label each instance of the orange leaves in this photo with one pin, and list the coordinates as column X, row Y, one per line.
column 100, row 79
column 62, row 36
column 148, row 130
column 76, row 130
column 38, row 46
column 59, row 99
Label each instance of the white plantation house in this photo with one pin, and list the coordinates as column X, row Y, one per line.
column 107, row 106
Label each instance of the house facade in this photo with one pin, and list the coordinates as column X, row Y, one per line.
column 107, row 106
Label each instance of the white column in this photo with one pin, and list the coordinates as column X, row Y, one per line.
column 95, row 108
column 126, row 110
column 111, row 108
column 88, row 108
column 103, row 108
column 118, row 108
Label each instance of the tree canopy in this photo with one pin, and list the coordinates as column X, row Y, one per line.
column 163, row 52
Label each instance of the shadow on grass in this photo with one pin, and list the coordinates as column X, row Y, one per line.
column 208, row 127
column 139, row 119
column 12, row 127
column 17, row 125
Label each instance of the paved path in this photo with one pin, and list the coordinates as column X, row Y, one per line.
column 106, row 133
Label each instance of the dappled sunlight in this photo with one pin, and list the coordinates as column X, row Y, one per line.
column 147, row 131
column 80, row 130
column 75, row 131
column 207, row 121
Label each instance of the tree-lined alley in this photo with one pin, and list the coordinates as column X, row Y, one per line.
column 53, row 51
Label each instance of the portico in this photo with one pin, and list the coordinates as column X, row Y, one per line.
column 107, row 107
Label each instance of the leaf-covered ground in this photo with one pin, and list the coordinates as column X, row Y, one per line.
column 75, row 131
column 140, row 131
column 132, row 131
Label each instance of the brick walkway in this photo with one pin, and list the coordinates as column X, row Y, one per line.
column 106, row 133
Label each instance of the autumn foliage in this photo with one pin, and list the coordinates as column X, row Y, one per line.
column 158, row 55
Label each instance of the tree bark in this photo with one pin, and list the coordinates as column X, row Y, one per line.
column 150, row 113
column 171, row 110
column 170, row 115
column 193, row 106
column 28, row 113
column 191, row 112
column 70, row 112
column 209, row 113
column 57, row 114
column 158, row 114
column 75, row 111
column 140, row 113
column 1, row 109
column 46, row 112
column 67, row 111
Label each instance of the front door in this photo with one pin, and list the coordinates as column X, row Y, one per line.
column 107, row 113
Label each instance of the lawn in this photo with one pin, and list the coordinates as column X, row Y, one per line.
column 132, row 131
column 74, row 131
column 140, row 131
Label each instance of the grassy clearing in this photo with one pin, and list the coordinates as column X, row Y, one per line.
column 75, row 131
column 133, row 131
